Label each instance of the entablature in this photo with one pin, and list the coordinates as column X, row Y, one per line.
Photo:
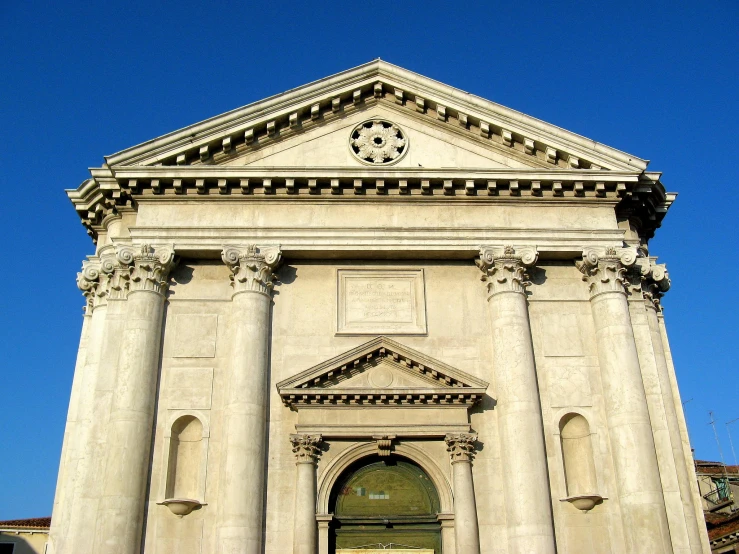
column 640, row 194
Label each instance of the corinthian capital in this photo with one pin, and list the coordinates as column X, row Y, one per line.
column 146, row 268
column 99, row 278
column 251, row 267
column 604, row 269
column 504, row 267
column 461, row 446
column 306, row 448
column 94, row 282
column 651, row 280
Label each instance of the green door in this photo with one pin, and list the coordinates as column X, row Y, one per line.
column 385, row 503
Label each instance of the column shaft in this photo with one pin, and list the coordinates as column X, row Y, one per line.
column 658, row 418
column 687, row 458
column 122, row 507
column 523, row 455
column 683, row 478
column 63, row 496
column 629, row 427
column 242, row 478
column 305, row 448
column 465, row 510
column 466, row 532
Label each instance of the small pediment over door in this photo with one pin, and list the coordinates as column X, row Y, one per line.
column 382, row 387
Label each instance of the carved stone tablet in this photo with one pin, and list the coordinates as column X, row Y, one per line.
column 381, row 302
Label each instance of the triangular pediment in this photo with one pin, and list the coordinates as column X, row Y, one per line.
column 382, row 372
column 429, row 145
column 294, row 116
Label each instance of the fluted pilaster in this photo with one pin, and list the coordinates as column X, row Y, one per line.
column 655, row 281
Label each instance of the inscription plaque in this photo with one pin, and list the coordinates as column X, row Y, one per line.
column 381, row 301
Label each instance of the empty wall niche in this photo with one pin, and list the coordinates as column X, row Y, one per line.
column 187, row 456
column 579, row 463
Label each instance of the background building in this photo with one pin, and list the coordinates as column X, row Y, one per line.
column 24, row 536
column 374, row 310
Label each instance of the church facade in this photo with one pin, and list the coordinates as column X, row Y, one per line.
column 374, row 312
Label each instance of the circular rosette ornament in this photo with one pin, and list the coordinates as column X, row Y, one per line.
column 378, row 142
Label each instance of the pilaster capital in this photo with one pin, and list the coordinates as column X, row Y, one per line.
column 461, row 446
column 604, row 269
column 145, row 268
column 251, row 267
column 101, row 278
column 504, row 267
column 651, row 280
column 306, row 448
column 94, row 282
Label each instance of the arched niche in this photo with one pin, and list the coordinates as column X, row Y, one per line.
column 578, row 461
column 185, row 463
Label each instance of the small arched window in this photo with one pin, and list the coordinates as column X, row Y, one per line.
column 184, row 473
column 577, row 455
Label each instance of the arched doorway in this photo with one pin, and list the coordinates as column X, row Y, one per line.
column 385, row 503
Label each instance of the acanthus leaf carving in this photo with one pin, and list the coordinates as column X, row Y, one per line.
column 604, row 269
column 505, row 268
column 306, row 447
column 649, row 280
column 98, row 278
column 461, row 446
column 148, row 269
column 252, row 267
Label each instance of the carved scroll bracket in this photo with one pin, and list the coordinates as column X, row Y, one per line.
column 384, row 444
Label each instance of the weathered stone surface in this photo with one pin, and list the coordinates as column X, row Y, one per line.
column 277, row 296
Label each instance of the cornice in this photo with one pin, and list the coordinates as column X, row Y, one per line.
column 322, row 384
column 640, row 195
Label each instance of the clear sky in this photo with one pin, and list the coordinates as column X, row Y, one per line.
column 82, row 80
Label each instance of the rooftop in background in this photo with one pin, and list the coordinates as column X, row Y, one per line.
column 31, row 523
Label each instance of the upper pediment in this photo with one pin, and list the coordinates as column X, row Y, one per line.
column 382, row 372
column 307, row 143
column 433, row 111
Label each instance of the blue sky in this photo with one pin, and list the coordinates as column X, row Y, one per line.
column 82, row 80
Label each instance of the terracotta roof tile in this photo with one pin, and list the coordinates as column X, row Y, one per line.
column 31, row 523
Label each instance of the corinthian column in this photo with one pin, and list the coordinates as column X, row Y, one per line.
column 305, row 448
column 121, row 514
column 461, row 447
column 242, row 478
column 92, row 281
column 523, row 455
column 629, row 427
column 655, row 283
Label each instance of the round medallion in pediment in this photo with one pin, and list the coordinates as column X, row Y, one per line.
column 378, row 142
column 381, row 377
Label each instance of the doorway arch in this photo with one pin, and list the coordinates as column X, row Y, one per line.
column 384, row 502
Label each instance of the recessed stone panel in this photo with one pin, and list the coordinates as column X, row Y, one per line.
column 195, row 336
column 569, row 386
column 381, row 302
column 189, row 388
column 561, row 335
